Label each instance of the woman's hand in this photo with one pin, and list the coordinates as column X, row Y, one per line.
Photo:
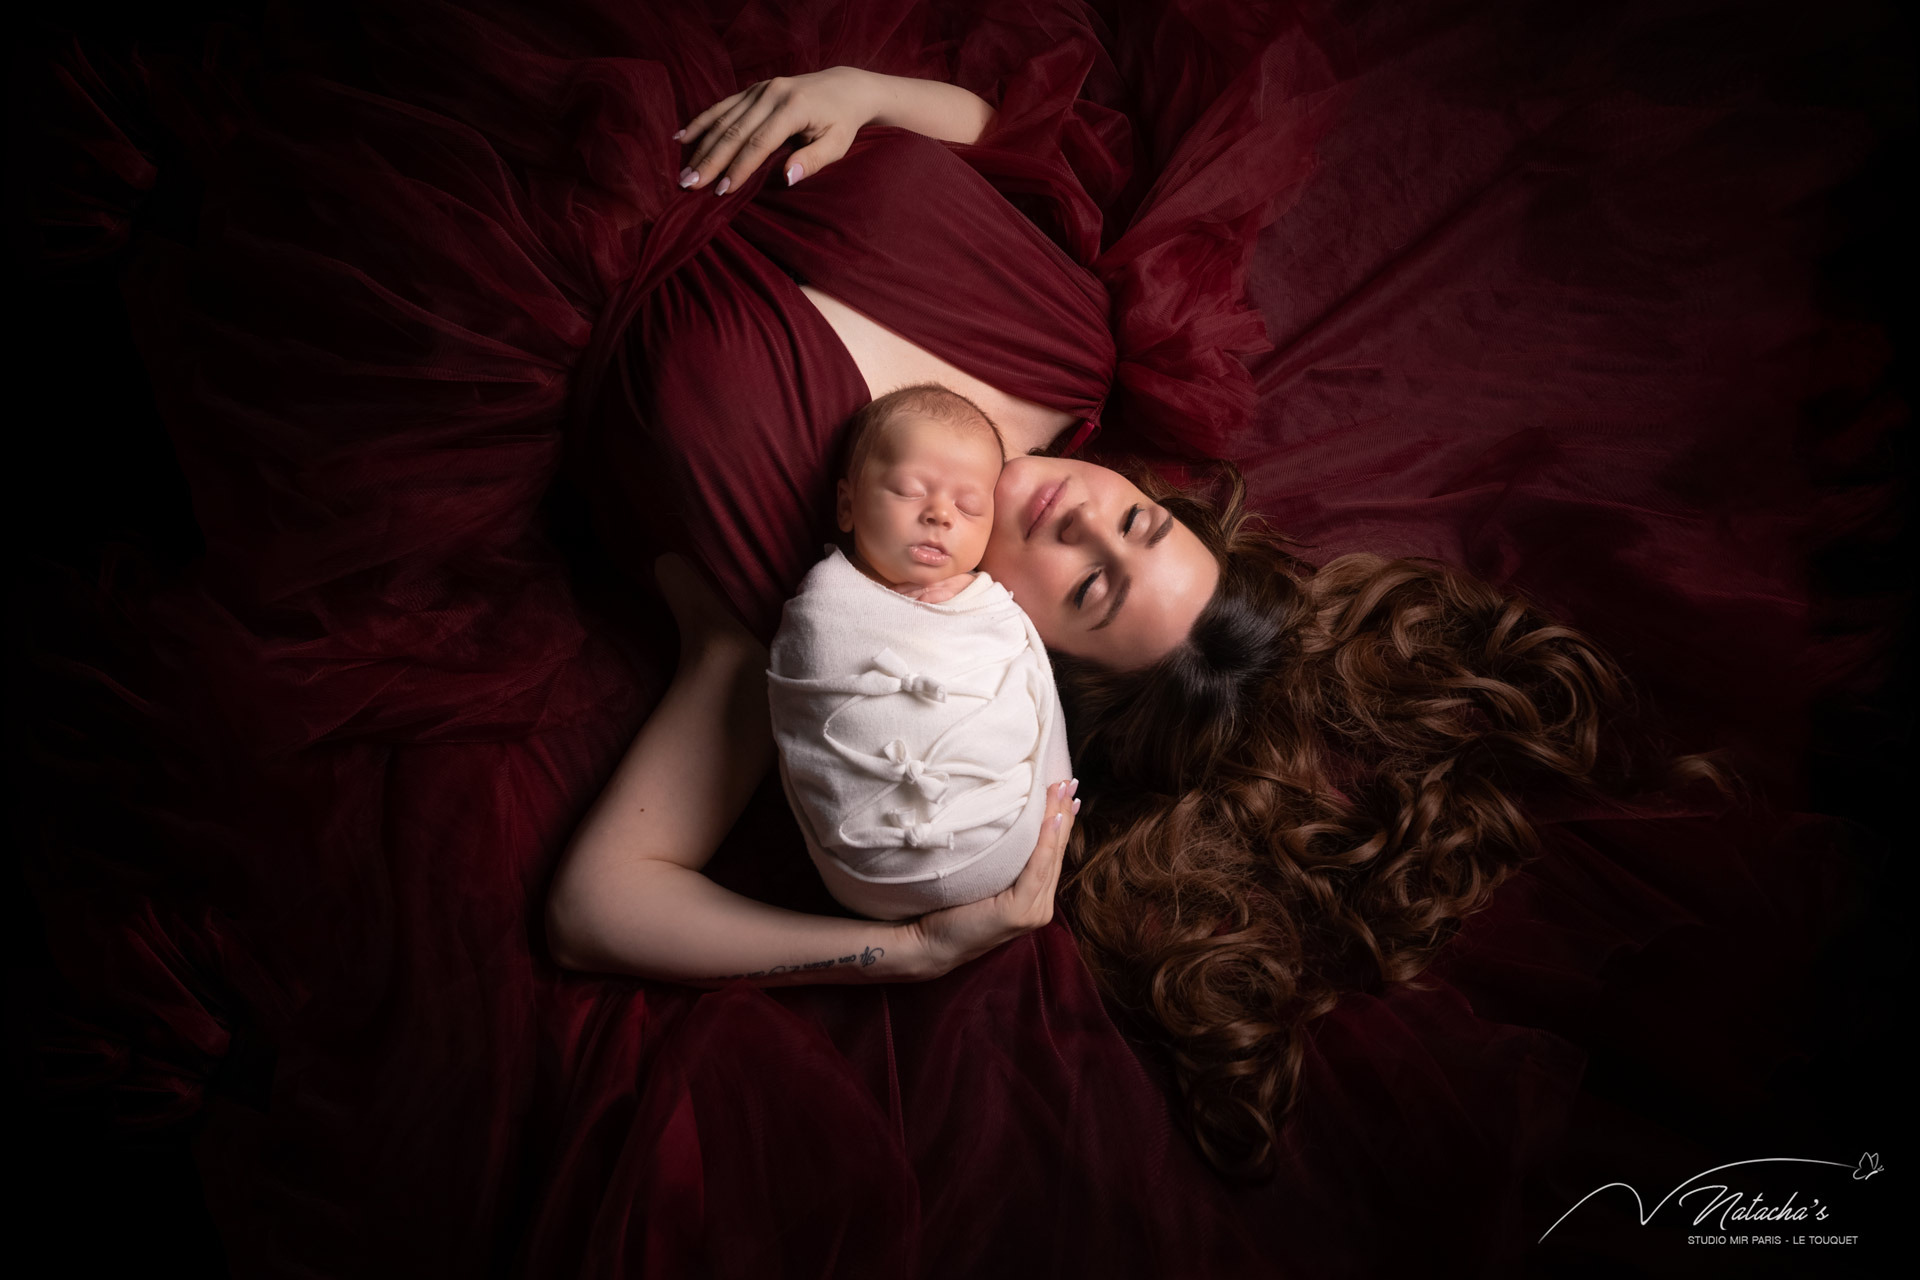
column 947, row 939
column 731, row 137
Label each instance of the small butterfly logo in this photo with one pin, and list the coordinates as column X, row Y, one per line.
column 1869, row 1165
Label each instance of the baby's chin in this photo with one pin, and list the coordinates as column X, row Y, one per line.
column 906, row 573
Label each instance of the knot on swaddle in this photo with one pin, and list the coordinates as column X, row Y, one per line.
column 915, row 773
column 913, row 738
column 905, row 680
column 919, row 835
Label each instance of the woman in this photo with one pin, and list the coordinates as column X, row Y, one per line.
column 377, row 706
column 1061, row 528
column 1329, row 770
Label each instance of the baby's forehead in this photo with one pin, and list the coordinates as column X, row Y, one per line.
column 910, row 436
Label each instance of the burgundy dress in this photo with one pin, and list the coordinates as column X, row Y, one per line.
column 1512, row 305
column 728, row 392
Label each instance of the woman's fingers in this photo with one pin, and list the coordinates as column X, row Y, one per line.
column 818, row 154
column 771, row 123
column 698, row 125
column 707, row 131
column 734, row 136
column 1059, row 852
column 954, row 935
column 714, row 149
column 737, row 143
column 1032, row 891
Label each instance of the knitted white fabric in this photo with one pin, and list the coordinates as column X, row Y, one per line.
column 917, row 741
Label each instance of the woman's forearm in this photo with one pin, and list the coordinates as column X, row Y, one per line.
column 630, row 897
column 930, row 107
column 673, row 923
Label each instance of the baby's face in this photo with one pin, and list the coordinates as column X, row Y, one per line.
column 922, row 506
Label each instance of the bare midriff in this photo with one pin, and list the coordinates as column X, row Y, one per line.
column 888, row 361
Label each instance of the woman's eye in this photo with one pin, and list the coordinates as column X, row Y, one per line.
column 1080, row 596
column 1133, row 514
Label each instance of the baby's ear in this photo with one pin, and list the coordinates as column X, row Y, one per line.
column 843, row 507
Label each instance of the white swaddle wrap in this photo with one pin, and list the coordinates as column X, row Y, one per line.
column 917, row 741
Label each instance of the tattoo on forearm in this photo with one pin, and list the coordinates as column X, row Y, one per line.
column 863, row 959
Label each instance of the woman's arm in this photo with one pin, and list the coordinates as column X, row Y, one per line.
column 732, row 137
column 630, row 896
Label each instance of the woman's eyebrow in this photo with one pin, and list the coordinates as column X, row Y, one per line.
column 1154, row 539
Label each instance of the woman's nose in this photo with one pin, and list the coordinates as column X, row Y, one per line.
column 1086, row 529
column 1073, row 525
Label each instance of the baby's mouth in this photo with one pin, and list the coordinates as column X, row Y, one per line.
column 928, row 553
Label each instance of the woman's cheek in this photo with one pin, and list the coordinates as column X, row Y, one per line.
column 1027, row 594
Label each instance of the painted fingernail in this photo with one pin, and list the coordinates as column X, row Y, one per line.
column 679, row 135
column 689, row 176
column 1059, row 818
column 722, row 188
column 1076, row 806
column 795, row 172
column 1073, row 785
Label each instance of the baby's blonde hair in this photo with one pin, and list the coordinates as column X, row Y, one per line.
column 925, row 399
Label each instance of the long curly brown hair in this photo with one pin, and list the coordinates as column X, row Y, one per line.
column 1306, row 797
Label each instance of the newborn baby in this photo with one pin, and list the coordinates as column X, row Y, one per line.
column 911, row 698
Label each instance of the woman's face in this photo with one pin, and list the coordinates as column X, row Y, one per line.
column 1104, row 572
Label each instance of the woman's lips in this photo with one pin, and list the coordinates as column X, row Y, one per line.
column 1041, row 503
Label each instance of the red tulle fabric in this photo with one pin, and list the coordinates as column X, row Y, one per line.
column 1445, row 280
